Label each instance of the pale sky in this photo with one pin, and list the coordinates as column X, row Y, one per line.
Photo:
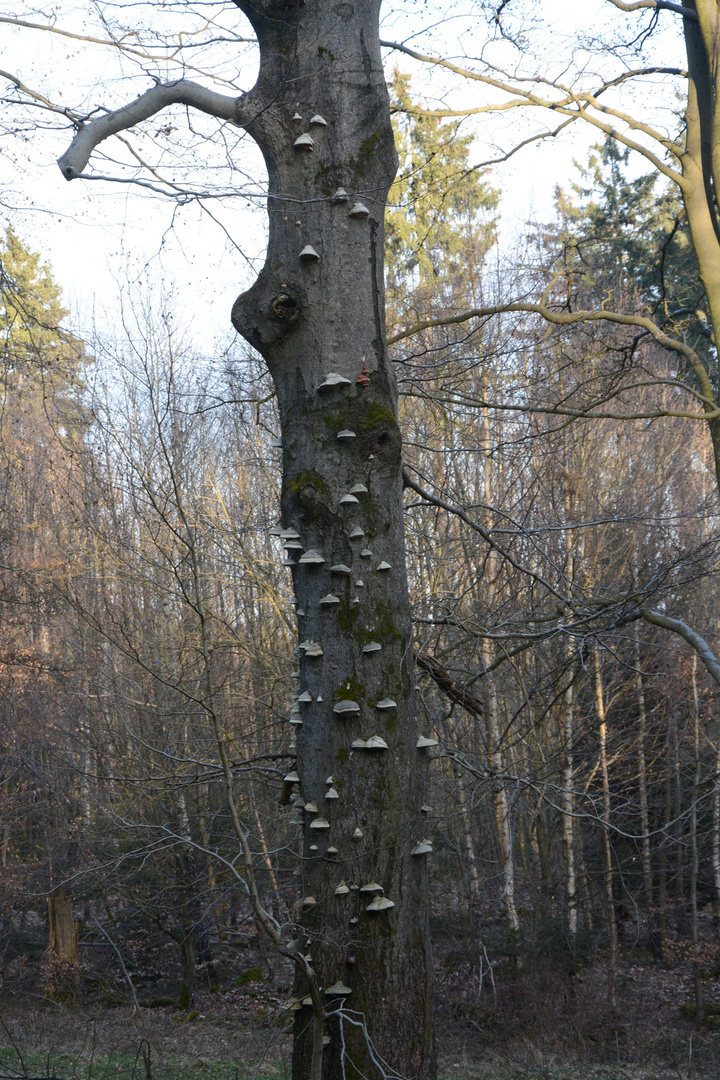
column 98, row 235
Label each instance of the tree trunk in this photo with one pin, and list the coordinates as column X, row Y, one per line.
column 716, row 839
column 63, row 973
column 568, row 806
column 607, row 847
column 312, row 313
column 694, row 856
column 642, row 776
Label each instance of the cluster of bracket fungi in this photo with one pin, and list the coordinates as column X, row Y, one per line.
column 305, row 143
column 296, row 555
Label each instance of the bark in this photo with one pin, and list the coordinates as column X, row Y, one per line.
column 62, row 980
column 308, row 318
column 63, row 930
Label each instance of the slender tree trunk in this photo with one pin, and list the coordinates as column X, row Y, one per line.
column 694, row 859
column 642, row 777
column 716, row 839
column 472, row 875
column 501, row 805
column 316, row 313
column 607, row 847
column 568, row 805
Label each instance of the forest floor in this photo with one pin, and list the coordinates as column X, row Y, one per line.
column 499, row 1024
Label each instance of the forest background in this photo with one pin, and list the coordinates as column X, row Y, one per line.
column 561, row 514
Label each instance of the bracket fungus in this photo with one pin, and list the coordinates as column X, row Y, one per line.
column 291, row 778
column 358, row 744
column 342, row 889
column 313, row 847
column 424, row 741
column 332, row 851
column 347, row 499
column 297, row 116
column 320, row 823
column 423, row 848
column 358, row 210
column 314, row 649
column 376, row 742
column 343, row 708
column 289, row 534
column 380, row 566
column 380, row 903
column 311, row 558
column 346, row 433
column 275, row 531
column 309, row 901
column 288, row 562
column 358, row 834
column 308, row 254
column 296, row 719
column 340, row 195
column 360, row 584
column 372, row 886
column 386, row 703
column 356, row 533
column 372, row 646
column 331, row 793
column 340, row 568
column 325, row 601
column 329, row 782
column 318, row 119
column 311, row 808
column 276, row 444
column 358, row 489
column 332, row 379
column 292, row 545
column 426, row 809
column 305, row 696
column 338, row 990
column 304, row 141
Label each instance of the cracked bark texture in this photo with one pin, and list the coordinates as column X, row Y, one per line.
column 310, row 317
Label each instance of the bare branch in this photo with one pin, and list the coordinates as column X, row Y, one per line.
column 459, row 512
column 661, row 5
column 706, row 395
column 182, row 92
column 448, row 685
column 699, row 644
column 35, row 96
